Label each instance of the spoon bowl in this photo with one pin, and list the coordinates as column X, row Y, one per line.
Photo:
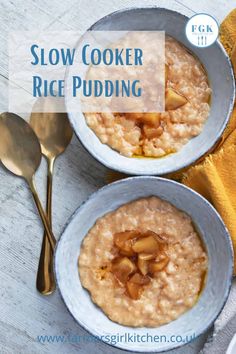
column 52, row 129
column 20, row 153
column 20, row 150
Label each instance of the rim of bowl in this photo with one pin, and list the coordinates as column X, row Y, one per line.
column 99, row 157
column 178, row 185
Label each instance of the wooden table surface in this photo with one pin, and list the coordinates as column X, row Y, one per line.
column 24, row 314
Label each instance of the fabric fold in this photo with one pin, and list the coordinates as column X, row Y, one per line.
column 215, row 176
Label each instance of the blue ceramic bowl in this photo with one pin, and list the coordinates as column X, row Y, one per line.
column 221, row 78
column 214, row 235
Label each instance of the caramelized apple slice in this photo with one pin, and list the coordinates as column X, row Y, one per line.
column 121, row 237
column 126, row 249
column 146, row 256
column 140, row 279
column 151, row 119
column 122, row 268
column 135, row 285
column 146, row 118
column 162, row 242
column 147, row 244
column 155, row 267
column 123, row 240
column 134, row 115
column 143, row 266
column 174, row 100
column 134, row 290
column 152, row 132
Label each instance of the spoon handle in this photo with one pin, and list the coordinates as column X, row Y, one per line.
column 45, row 282
column 43, row 216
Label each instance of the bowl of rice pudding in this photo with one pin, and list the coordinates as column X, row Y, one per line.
column 145, row 255
column 199, row 95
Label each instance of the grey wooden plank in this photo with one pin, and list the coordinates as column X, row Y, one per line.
column 78, row 18
column 27, row 15
column 219, row 9
column 3, row 93
column 24, row 314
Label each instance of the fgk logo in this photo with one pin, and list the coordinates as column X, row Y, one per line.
column 202, row 30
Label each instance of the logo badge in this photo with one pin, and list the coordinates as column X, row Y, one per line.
column 202, row 30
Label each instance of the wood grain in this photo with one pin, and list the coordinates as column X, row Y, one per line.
column 24, row 314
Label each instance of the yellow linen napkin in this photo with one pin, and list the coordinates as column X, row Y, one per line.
column 215, row 176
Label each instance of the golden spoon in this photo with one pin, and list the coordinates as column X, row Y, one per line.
column 54, row 133
column 20, row 153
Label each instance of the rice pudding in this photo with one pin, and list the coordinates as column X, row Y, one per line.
column 187, row 107
column 143, row 264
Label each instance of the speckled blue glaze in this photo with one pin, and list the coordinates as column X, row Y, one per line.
column 221, row 78
column 211, row 228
